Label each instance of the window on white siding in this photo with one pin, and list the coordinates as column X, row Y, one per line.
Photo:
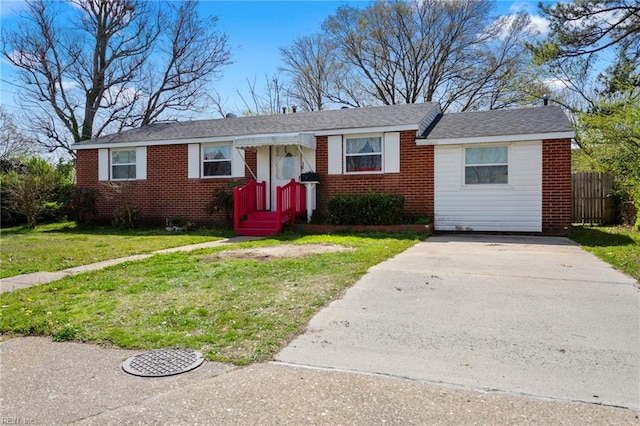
column 363, row 155
column 486, row 165
column 123, row 164
column 216, row 160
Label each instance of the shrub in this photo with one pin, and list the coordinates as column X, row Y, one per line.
column 81, row 204
column 366, row 209
column 30, row 192
column 128, row 214
column 222, row 201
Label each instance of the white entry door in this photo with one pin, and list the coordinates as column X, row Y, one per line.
column 285, row 165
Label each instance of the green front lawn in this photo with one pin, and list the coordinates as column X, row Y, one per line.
column 59, row 246
column 238, row 309
column 616, row 245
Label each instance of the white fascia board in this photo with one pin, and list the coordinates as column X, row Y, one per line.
column 227, row 139
column 491, row 139
column 361, row 130
column 230, row 139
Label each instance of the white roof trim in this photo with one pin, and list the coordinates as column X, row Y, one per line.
column 227, row 139
column 357, row 130
column 502, row 138
column 246, row 138
column 307, row 140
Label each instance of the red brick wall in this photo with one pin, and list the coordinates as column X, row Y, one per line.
column 556, row 186
column 414, row 182
column 165, row 194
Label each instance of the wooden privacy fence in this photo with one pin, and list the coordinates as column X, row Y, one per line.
column 591, row 201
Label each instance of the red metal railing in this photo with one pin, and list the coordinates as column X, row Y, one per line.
column 249, row 198
column 290, row 200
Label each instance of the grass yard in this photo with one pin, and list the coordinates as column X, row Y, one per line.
column 616, row 245
column 59, row 246
column 232, row 308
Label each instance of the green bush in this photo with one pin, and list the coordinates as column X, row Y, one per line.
column 366, row 209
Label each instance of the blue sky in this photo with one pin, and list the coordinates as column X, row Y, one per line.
column 256, row 30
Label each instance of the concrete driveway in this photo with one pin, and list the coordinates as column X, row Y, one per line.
column 525, row 315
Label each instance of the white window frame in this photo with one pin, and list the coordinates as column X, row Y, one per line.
column 480, row 185
column 203, row 161
column 363, row 136
column 112, row 164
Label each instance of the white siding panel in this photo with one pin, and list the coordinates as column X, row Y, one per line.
column 516, row 207
column 237, row 162
column 308, row 159
column 141, row 162
column 264, row 161
column 103, row 164
column 334, row 152
column 392, row 152
column 193, row 161
column 263, row 168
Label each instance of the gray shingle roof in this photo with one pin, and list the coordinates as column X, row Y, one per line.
column 352, row 118
column 550, row 119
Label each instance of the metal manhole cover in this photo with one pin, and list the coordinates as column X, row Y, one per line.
column 163, row 362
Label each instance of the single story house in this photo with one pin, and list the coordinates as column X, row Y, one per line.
column 500, row 170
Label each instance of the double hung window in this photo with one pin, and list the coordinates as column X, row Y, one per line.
column 486, row 165
column 363, row 154
column 123, row 164
column 216, row 160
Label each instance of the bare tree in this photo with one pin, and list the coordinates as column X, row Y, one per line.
column 90, row 67
column 500, row 74
column 412, row 51
column 312, row 65
column 13, row 143
column 269, row 102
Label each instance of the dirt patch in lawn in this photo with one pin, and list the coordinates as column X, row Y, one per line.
column 281, row 251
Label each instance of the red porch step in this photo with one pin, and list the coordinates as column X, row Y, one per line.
column 261, row 224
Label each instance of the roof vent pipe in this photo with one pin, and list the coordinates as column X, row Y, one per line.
column 545, row 100
column 284, row 110
column 294, row 108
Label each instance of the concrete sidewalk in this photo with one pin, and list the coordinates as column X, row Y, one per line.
column 35, row 278
column 42, row 382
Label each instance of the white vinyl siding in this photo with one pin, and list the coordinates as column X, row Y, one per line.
column 512, row 207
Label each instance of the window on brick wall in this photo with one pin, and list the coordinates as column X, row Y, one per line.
column 216, row 160
column 363, row 154
column 486, row 165
column 123, row 164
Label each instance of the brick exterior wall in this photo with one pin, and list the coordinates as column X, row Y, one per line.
column 165, row 194
column 414, row 182
column 556, row 186
column 168, row 193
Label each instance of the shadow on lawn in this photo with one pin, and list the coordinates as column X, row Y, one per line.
column 594, row 237
column 72, row 229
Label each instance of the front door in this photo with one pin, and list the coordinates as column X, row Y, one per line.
column 285, row 165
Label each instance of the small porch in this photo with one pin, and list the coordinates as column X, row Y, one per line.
column 250, row 215
column 275, row 195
